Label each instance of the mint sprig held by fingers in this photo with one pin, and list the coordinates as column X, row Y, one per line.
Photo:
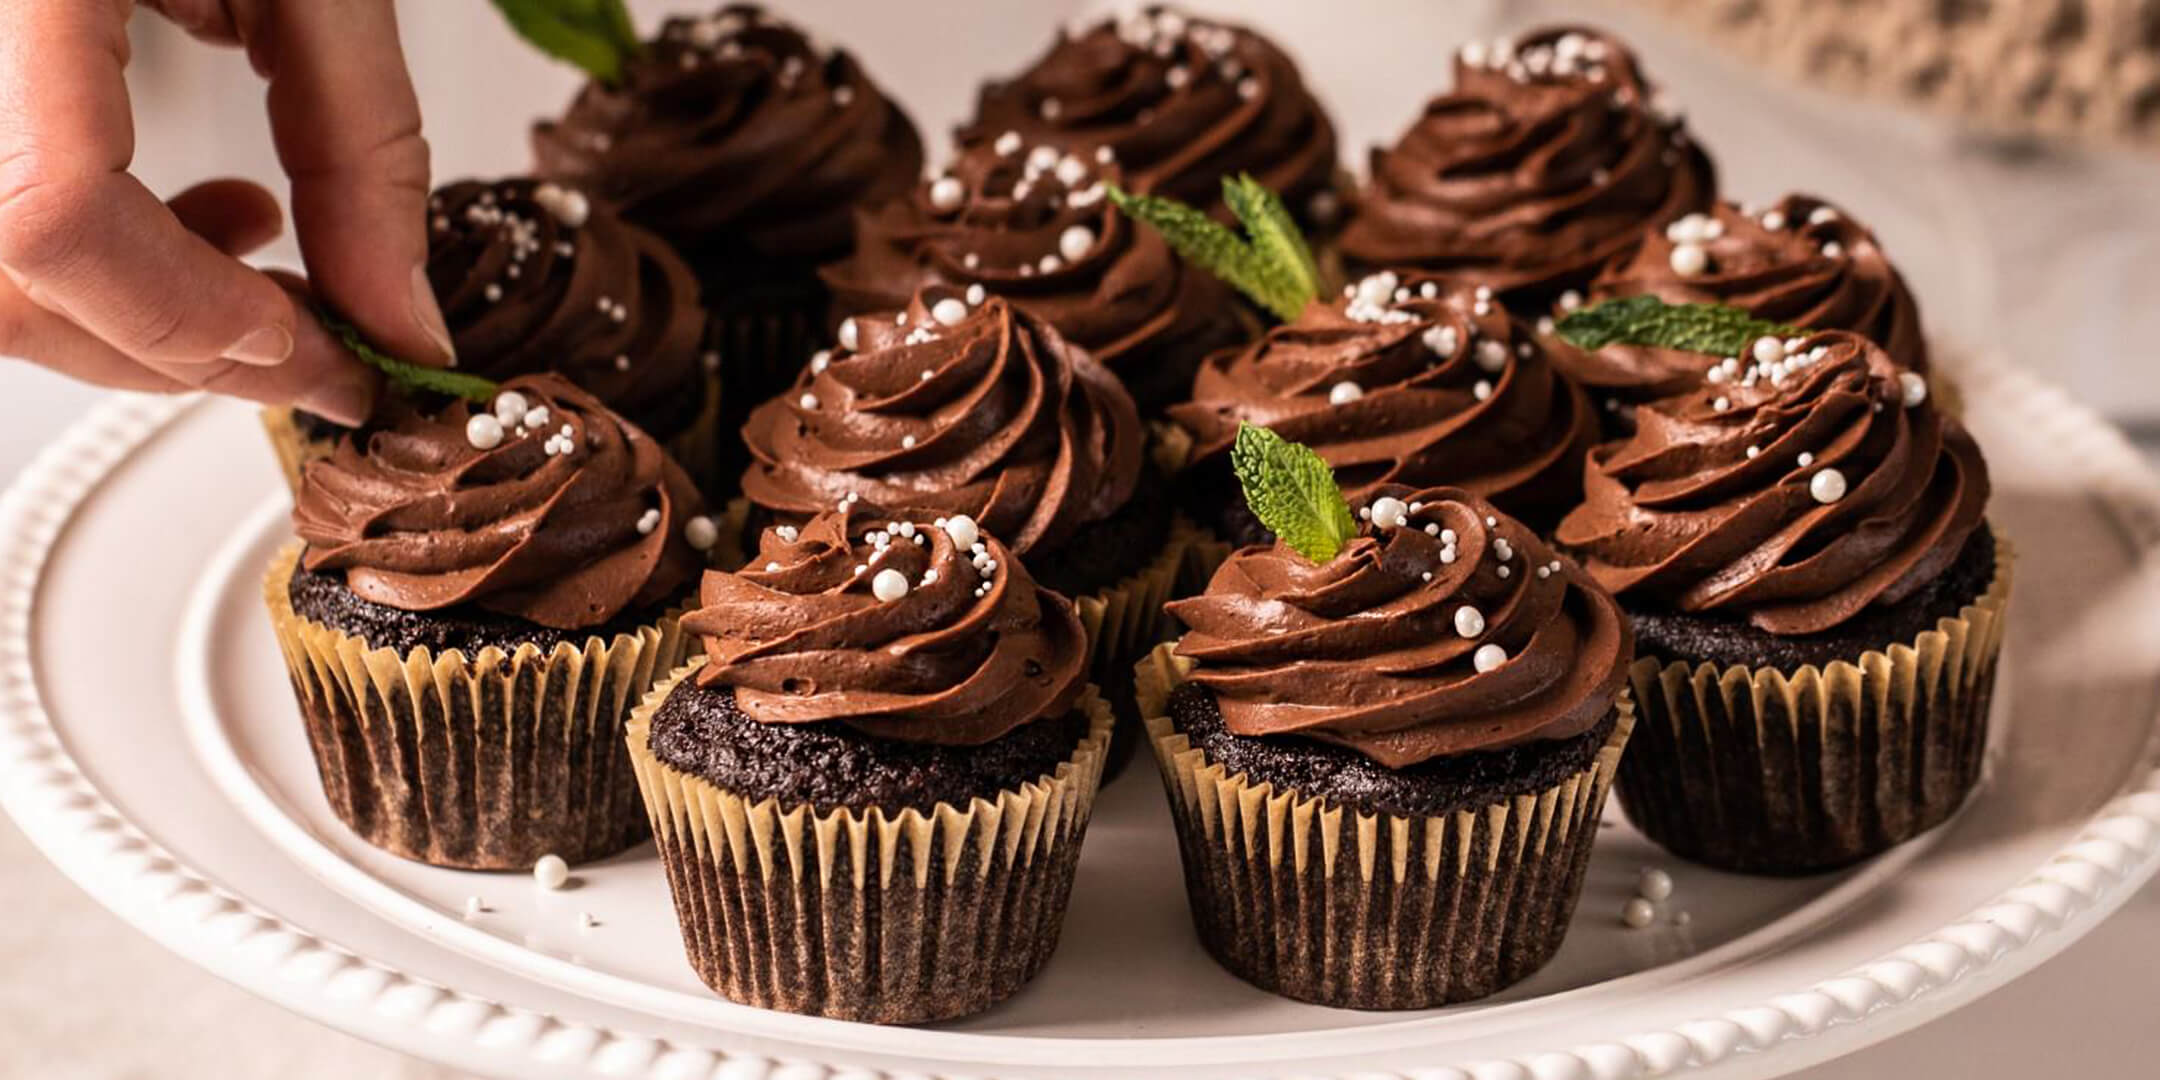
column 595, row 36
column 1648, row 320
column 1270, row 263
column 404, row 374
column 1292, row 491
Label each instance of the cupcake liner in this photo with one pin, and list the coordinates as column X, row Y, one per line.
column 1373, row 911
column 697, row 448
column 863, row 914
column 292, row 445
column 481, row 763
column 1791, row 772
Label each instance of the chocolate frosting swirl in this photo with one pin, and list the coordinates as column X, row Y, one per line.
column 1406, row 381
column 969, row 648
column 1442, row 629
column 538, row 277
column 1181, row 101
column 736, row 135
column 946, row 409
column 1033, row 225
column 565, row 518
column 1794, row 493
column 1802, row 262
column 1544, row 163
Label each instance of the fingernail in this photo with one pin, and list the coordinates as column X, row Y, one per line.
column 342, row 400
column 266, row 346
column 428, row 314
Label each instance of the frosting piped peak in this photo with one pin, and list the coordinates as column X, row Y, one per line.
column 736, row 134
column 544, row 506
column 1443, row 628
column 1545, row 162
column 1794, row 487
column 961, row 404
column 1034, row 224
column 928, row 631
column 1181, row 101
column 1406, row 380
column 535, row 276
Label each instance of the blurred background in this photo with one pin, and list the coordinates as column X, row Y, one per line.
column 2007, row 152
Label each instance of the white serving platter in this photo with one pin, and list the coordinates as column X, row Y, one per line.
column 150, row 747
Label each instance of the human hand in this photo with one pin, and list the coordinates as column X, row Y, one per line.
column 105, row 283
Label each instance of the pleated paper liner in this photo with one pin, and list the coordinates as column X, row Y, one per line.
column 1373, row 911
column 480, row 763
column 1793, row 772
column 696, row 448
column 863, row 914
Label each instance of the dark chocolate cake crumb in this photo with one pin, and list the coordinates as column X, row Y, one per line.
column 323, row 598
column 1344, row 777
column 700, row 731
column 1725, row 640
column 1102, row 553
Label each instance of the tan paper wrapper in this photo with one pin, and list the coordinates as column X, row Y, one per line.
column 485, row 763
column 1373, row 911
column 696, row 448
column 1775, row 772
column 861, row 915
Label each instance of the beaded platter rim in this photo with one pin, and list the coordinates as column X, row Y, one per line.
column 77, row 826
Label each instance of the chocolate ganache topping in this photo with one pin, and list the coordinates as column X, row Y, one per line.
column 537, row 277
column 1406, row 381
column 1033, row 224
column 1442, row 629
column 545, row 506
column 1545, row 162
column 950, row 408
column 736, row 135
column 924, row 631
column 1182, row 102
column 1793, row 488
column 1801, row 262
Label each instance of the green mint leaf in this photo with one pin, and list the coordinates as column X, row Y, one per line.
column 1292, row 491
column 406, row 375
column 1274, row 234
column 1206, row 243
column 1647, row 320
column 595, row 36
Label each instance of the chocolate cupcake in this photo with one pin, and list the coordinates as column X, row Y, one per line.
column 1035, row 226
column 1802, row 262
column 481, row 598
column 1386, row 767
column 870, row 792
column 535, row 277
column 950, row 408
column 748, row 145
column 1801, row 543
column 1181, row 102
column 1404, row 380
column 1547, row 161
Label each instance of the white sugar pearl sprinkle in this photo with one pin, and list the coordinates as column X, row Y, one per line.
column 949, row 311
column 1345, row 392
column 1912, row 387
column 889, row 585
column 701, row 533
column 772, row 568
column 1828, row 486
column 551, row 872
column 1769, row 350
column 1805, row 459
column 1491, row 355
column 484, row 432
column 946, row 194
column 962, row 530
column 1075, row 242
column 807, row 401
column 1689, row 260
column 1653, row 884
column 1481, row 390
column 1469, row 621
column 820, row 360
column 1637, row 913
column 976, row 295
column 1007, row 144
column 1488, row 656
column 907, row 442
column 850, row 336
column 1822, row 215
column 1389, row 512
